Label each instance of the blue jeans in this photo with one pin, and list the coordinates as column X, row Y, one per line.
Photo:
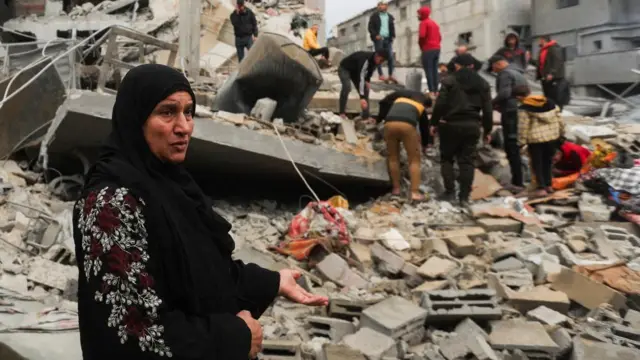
column 241, row 44
column 387, row 45
column 430, row 59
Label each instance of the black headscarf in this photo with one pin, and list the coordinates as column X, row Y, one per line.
column 180, row 218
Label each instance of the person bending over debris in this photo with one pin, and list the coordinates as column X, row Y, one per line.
column 404, row 113
column 456, row 118
column 310, row 43
column 245, row 28
column 540, row 126
column 156, row 275
column 509, row 77
column 358, row 68
column 569, row 158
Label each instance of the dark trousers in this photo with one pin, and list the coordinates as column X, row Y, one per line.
column 241, row 44
column 324, row 51
column 387, row 45
column 458, row 142
column 430, row 59
column 550, row 91
column 541, row 155
column 509, row 122
column 345, row 80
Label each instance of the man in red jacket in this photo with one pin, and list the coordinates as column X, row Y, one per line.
column 429, row 39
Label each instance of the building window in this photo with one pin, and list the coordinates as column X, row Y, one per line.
column 356, row 27
column 403, row 13
column 343, row 32
column 561, row 4
column 465, row 38
column 597, row 45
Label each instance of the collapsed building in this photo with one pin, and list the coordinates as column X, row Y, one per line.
column 513, row 278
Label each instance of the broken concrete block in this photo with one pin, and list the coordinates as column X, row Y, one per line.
column 334, row 329
column 21, row 222
column 52, row 274
column 454, row 348
column 547, row 316
column 632, row 318
column 280, row 350
column 386, row 260
column 436, row 267
column 455, row 305
column 564, row 212
column 473, row 232
column 371, row 343
column 480, row 348
column 470, row 328
column 500, row 224
column 584, row 133
column 341, row 352
column 523, row 335
column 595, row 213
column 394, row 317
column 336, row 269
column 461, row 246
column 587, row 292
column 516, row 278
column 561, row 336
column 348, row 309
column 348, row 129
column 430, row 286
column 584, row 349
column 263, row 109
column 508, row 264
column 525, row 301
column 577, row 246
column 361, row 252
column 439, row 246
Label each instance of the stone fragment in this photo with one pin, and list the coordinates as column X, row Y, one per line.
column 577, row 246
column 587, row 292
column 348, row 129
column 461, row 246
column 525, row 301
column 469, row 327
column 508, row 264
column 341, row 352
column 473, row 232
column 434, row 245
column 264, row 109
column 361, row 252
column 547, row 316
column 52, row 274
column 584, row 349
column 430, row 286
column 336, row 269
column 386, row 260
column 394, row 317
column 371, row 343
column 436, row 267
column 632, row 318
column 500, row 224
column 523, row 335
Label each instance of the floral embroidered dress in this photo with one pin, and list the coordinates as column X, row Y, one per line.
column 156, row 275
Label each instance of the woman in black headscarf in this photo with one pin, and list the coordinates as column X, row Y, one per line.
column 156, row 274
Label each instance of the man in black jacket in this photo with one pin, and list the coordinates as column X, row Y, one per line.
column 358, row 68
column 245, row 28
column 464, row 104
column 383, row 31
column 460, row 50
column 550, row 71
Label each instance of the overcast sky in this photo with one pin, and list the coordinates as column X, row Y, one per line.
column 340, row 10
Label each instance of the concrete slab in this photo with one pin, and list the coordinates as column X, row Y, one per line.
column 394, row 317
column 584, row 349
column 523, row 335
column 223, row 149
column 371, row 343
column 587, row 292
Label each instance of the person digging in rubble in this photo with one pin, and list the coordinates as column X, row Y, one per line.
column 310, row 44
column 569, row 158
column 358, row 68
column 460, row 50
column 540, row 126
column 513, row 52
column 156, row 275
column 464, row 104
column 404, row 113
column 382, row 31
column 245, row 28
column 509, row 77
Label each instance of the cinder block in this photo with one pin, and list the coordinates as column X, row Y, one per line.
column 595, row 213
column 371, row 343
column 394, row 317
column 564, row 212
column 336, row 269
column 334, row 329
column 264, row 109
column 517, row 278
column 386, row 260
column 455, row 305
column 280, row 350
column 500, row 224
column 348, row 309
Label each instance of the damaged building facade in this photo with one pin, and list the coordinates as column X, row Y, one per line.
column 480, row 24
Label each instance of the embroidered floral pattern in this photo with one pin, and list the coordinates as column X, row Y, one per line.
column 114, row 242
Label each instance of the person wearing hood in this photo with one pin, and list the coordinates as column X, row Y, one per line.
column 429, row 39
column 551, row 71
column 382, row 31
column 463, row 49
column 509, row 77
column 513, row 52
column 540, row 128
column 461, row 110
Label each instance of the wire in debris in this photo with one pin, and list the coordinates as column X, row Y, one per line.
column 294, row 163
column 326, row 183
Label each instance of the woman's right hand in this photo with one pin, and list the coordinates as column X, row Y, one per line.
column 256, row 332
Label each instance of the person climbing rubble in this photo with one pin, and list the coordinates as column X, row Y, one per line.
column 540, row 127
column 310, row 43
column 245, row 28
column 358, row 68
column 464, row 104
column 405, row 122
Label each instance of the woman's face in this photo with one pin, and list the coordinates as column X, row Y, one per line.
column 169, row 127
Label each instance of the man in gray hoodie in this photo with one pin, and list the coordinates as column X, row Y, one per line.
column 509, row 77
